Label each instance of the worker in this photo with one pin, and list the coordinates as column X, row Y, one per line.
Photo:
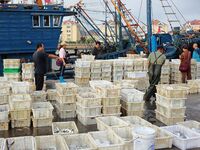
column 97, row 49
column 196, row 52
column 40, row 62
column 155, row 63
column 185, row 65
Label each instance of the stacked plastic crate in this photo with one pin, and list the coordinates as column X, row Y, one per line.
column 39, row 96
column 175, row 77
column 106, row 70
column 117, row 70
column 194, row 86
column 28, row 72
column 66, row 100
column 128, row 67
column 12, row 69
column 82, row 72
column 20, row 103
column 170, row 101
column 132, row 102
column 138, row 64
column 198, row 70
column 88, row 107
column 165, row 74
column 95, row 70
column 51, row 96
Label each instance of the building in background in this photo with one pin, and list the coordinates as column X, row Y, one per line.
column 194, row 25
column 159, row 27
column 70, row 31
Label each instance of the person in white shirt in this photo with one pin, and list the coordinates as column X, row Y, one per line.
column 63, row 58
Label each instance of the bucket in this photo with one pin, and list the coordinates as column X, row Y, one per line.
column 144, row 138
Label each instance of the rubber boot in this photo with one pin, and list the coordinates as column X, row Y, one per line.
column 61, row 79
column 149, row 113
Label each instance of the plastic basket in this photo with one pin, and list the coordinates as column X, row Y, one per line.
column 193, row 125
column 82, row 81
column 4, row 126
column 111, row 101
column 89, row 111
column 65, row 114
column 106, row 74
column 4, row 89
column 20, row 101
column 21, row 123
column 82, row 75
column 96, row 64
column 64, row 128
column 82, row 69
column 95, row 75
column 51, row 94
column 42, row 110
column 86, row 120
column 20, row 114
column 87, row 57
column 136, row 106
column 111, row 91
column 66, row 106
column 107, row 69
column 42, row 122
column 66, row 88
column 135, row 121
column 138, row 113
column 95, row 70
column 132, row 95
column 39, row 96
column 4, row 99
column 21, row 88
column 111, row 109
column 4, row 112
column 27, row 76
column 66, row 98
column 2, row 143
column 83, row 64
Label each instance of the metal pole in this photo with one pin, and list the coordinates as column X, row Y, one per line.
column 106, row 23
column 120, row 28
column 149, row 24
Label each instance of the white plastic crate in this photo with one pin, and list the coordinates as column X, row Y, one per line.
column 136, row 74
column 28, row 66
column 87, row 57
column 127, row 84
column 3, row 79
column 20, row 114
column 42, row 110
column 5, row 88
column 132, row 95
column 107, row 78
column 138, row 113
column 21, row 143
column 4, row 112
column 111, row 109
column 27, row 76
column 95, row 70
column 109, row 91
column 104, row 123
column 66, row 98
column 86, row 120
column 105, row 70
column 88, row 99
column 106, row 63
column 50, row 142
column 136, row 106
column 135, row 121
column 82, row 69
column 23, row 101
column 111, row 101
column 65, row 114
column 4, row 99
column 82, row 74
column 4, row 126
column 12, row 76
column 106, row 74
column 51, row 94
column 193, row 125
column 66, row 106
column 79, row 141
column 2, row 144
column 106, row 140
column 66, row 88
column 64, row 128
column 84, row 64
column 95, row 75
column 20, row 88
column 96, row 64
column 39, row 96
column 89, row 111
column 21, row 123
column 170, row 112
column 168, row 121
column 82, row 81
column 183, row 138
column 42, row 122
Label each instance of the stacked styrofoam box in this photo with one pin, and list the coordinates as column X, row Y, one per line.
column 39, row 96
column 110, row 97
column 198, row 70
column 28, row 72
column 14, row 66
column 117, row 70
column 95, row 70
column 82, row 72
column 194, row 86
column 66, row 100
column 128, row 66
column 165, row 74
column 20, row 104
column 171, row 103
column 88, row 107
column 42, row 114
column 132, row 102
column 106, row 70
column 4, row 117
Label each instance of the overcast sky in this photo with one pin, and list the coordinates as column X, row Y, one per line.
column 189, row 8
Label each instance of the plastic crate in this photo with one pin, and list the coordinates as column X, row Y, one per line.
column 39, row 96
column 111, row 101
column 4, row 99
column 130, row 106
column 95, row 75
column 172, row 91
column 5, row 89
column 79, row 141
column 89, row 111
column 4, row 126
column 95, row 78
column 107, row 78
column 105, row 70
column 12, row 76
column 2, row 144
column 115, row 115
column 87, row 57
column 42, row 122
column 104, row 123
column 86, row 120
column 171, row 102
column 20, row 114
column 193, row 125
column 132, row 95
column 21, row 123
column 21, row 143
column 66, row 106
column 88, row 99
column 135, row 121
column 191, row 141
column 65, row 114
column 64, row 128
column 42, row 110
column 51, row 94
column 82, row 74
column 82, row 81
column 111, row 109
column 96, row 64
column 95, row 70
column 106, row 140
column 82, row 69
column 20, row 88
column 127, row 84
column 110, row 91
column 170, row 112
column 66, row 98
column 66, row 88
column 27, row 76
column 138, row 113
column 168, row 121
column 28, row 66
column 50, row 142
column 4, row 112
column 20, row 102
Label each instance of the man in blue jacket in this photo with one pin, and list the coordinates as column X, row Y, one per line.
column 196, row 52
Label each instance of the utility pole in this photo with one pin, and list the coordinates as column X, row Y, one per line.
column 149, row 24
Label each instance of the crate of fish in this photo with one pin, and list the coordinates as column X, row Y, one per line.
column 111, row 109
column 21, row 123
column 138, row 113
column 20, row 114
column 183, row 138
column 110, row 101
column 106, row 140
column 132, row 105
column 89, row 111
column 42, row 122
column 66, row 106
column 135, row 121
column 132, row 95
column 88, row 99
column 66, row 88
column 86, row 120
column 168, row 121
column 20, row 88
column 51, row 94
column 22, row 101
column 64, row 128
column 39, row 96
column 42, row 110
column 66, row 98
column 192, row 124
column 104, row 123
column 4, row 112
column 50, row 142
column 172, row 112
column 21, row 143
column 127, row 84
column 79, row 141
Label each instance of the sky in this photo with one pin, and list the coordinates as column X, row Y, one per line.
column 189, row 8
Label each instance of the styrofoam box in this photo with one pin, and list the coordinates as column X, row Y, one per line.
column 111, row 109
column 81, row 141
column 20, row 114
column 23, row 101
column 39, row 96
column 81, row 64
column 106, row 140
column 89, row 111
column 135, row 121
column 66, row 106
column 193, row 125
column 66, row 98
column 111, row 101
column 21, row 123
column 54, row 142
column 2, row 144
column 4, row 112
column 42, row 122
column 21, row 143
column 51, row 94
column 139, row 113
column 132, row 95
column 104, row 123
column 136, row 106
column 66, row 88
column 88, row 99
column 58, row 128
column 42, row 110
column 20, row 88
column 170, row 112
column 168, row 121
column 192, row 140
